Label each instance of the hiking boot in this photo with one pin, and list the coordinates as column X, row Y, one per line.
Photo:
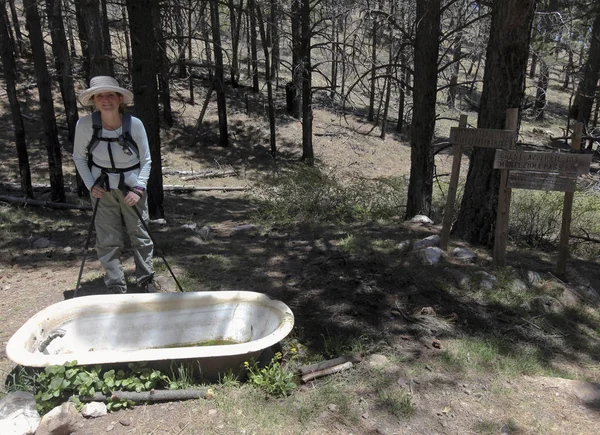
column 116, row 290
column 150, row 286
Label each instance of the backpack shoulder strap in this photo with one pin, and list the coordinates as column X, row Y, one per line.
column 126, row 132
column 95, row 139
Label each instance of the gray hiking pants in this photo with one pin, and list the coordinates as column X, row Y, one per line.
column 113, row 218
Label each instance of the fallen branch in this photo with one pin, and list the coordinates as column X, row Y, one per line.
column 310, row 368
column 153, row 395
column 39, row 203
column 207, row 173
column 335, row 369
column 213, row 174
column 186, row 188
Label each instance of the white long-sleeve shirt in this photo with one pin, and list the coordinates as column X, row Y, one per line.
column 133, row 178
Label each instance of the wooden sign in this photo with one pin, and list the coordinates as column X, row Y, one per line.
column 561, row 163
column 482, row 137
column 542, row 181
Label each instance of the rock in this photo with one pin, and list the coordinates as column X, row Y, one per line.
column 18, row 415
column 430, row 256
column 61, row 420
column 403, row 247
column 94, row 409
column 421, row 219
column 158, row 221
column 461, row 279
column 191, row 227
column 426, row 242
column 205, row 232
column 332, row 407
column 464, row 254
column 487, row 281
column 377, row 361
column 41, row 243
column 244, row 228
column 125, row 421
column 535, row 279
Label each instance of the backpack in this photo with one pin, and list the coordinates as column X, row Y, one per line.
column 125, row 139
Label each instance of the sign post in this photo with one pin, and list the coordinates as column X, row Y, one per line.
column 504, row 193
column 563, row 247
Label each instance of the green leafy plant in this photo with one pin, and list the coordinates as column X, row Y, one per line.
column 275, row 378
column 56, row 383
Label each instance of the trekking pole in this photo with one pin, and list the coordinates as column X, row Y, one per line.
column 87, row 244
column 137, row 212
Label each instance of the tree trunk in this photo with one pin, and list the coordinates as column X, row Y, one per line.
column 542, row 90
column 307, row 115
column 294, row 88
column 235, row 20
column 457, row 53
column 179, row 26
column 503, row 88
column 98, row 41
column 253, row 46
column 190, row 75
column 334, row 56
column 57, row 190
column 143, row 52
column 127, row 37
column 374, row 30
column 9, row 68
column 269, row 79
column 420, row 187
column 17, row 27
column 83, row 38
column 62, row 62
column 219, row 76
column 586, row 92
column 163, row 72
column 274, row 27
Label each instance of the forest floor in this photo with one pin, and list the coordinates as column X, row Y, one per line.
column 477, row 361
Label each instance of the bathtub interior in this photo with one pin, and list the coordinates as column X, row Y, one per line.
column 126, row 328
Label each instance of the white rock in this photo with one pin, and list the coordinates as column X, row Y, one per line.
column 487, row 281
column 94, row 409
column 403, row 246
column 430, row 255
column 242, row 228
column 205, row 231
column 421, row 219
column 464, row 254
column 61, row 420
column 191, row 226
column 427, row 241
column 18, row 415
column 534, row 279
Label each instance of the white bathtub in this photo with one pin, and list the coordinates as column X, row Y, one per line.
column 156, row 328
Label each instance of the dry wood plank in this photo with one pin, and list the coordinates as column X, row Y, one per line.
column 40, row 203
column 303, row 370
column 330, row 371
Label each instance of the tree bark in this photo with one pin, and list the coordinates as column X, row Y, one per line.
column 17, row 27
column 294, row 88
column 420, row 187
column 503, row 88
column 269, row 79
column 9, row 68
column 57, row 189
column 253, row 46
column 586, row 92
column 163, row 72
column 219, row 76
column 307, row 114
column 374, row 31
column 98, row 41
column 143, row 50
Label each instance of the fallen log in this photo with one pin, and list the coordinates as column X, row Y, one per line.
column 186, row 188
column 201, row 174
column 335, row 369
column 153, row 395
column 40, row 203
column 303, row 370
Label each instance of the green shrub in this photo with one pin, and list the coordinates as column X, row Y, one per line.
column 274, row 379
column 308, row 195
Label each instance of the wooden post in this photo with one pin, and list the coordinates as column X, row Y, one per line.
column 504, row 194
column 563, row 248
column 449, row 211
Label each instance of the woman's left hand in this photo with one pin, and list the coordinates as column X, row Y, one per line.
column 132, row 197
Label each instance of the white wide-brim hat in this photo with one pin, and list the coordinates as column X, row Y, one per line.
column 100, row 84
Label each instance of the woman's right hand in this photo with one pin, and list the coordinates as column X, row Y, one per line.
column 97, row 192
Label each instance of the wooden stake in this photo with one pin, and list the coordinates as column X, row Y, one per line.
column 449, row 211
column 565, row 229
column 504, row 194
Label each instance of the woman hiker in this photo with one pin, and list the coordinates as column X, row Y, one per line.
column 112, row 156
